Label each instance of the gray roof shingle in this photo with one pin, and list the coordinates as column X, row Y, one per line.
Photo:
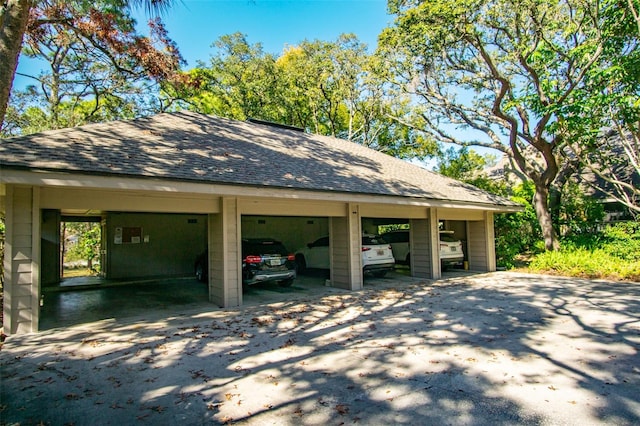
column 201, row 148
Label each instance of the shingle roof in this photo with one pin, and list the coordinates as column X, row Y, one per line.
column 195, row 147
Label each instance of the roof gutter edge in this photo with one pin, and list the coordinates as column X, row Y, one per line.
column 59, row 178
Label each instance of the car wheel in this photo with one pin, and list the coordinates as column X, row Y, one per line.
column 380, row 274
column 286, row 283
column 200, row 272
column 301, row 263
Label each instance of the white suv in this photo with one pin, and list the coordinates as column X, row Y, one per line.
column 377, row 257
column 451, row 252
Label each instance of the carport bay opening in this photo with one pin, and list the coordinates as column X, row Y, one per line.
column 296, row 233
column 133, row 245
column 160, row 245
column 398, row 233
column 155, row 245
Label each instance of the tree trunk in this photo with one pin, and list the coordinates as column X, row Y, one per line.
column 555, row 193
column 541, row 206
column 13, row 23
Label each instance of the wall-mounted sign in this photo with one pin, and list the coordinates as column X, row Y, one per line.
column 127, row 235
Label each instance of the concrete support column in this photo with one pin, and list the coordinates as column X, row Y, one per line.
column 434, row 239
column 225, row 276
column 420, row 248
column 491, row 241
column 346, row 241
column 22, row 260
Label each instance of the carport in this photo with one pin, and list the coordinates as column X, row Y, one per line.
column 171, row 185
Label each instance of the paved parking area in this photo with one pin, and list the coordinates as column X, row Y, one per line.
column 500, row 348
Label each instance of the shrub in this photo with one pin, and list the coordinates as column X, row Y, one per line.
column 613, row 253
column 582, row 262
column 517, row 233
column 623, row 241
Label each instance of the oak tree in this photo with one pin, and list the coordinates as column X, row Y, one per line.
column 496, row 74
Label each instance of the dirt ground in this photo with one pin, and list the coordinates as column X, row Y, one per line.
column 500, row 348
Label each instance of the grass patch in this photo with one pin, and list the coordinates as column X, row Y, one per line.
column 79, row 272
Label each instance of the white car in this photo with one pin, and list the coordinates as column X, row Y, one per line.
column 314, row 256
column 377, row 257
column 451, row 252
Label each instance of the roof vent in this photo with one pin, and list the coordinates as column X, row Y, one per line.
column 272, row 124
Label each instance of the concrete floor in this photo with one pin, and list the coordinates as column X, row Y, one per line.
column 79, row 301
column 88, row 299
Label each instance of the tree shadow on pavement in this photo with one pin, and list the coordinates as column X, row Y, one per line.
column 487, row 349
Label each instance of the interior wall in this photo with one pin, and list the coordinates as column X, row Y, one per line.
column 167, row 245
column 293, row 232
column 369, row 226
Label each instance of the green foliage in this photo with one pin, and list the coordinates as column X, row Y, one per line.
column 524, row 77
column 613, row 253
column 517, row 233
column 609, row 100
column 623, row 241
column 461, row 163
column 26, row 118
column 328, row 88
column 579, row 213
column 392, row 227
column 586, row 263
column 100, row 67
column 87, row 245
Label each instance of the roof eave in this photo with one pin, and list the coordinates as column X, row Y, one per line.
column 73, row 179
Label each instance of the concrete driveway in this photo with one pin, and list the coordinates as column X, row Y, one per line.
column 500, row 348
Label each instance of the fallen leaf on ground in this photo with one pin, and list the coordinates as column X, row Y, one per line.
column 342, row 409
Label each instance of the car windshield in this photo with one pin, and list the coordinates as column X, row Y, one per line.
column 372, row 240
column 447, row 239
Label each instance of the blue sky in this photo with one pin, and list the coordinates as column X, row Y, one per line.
column 195, row 24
